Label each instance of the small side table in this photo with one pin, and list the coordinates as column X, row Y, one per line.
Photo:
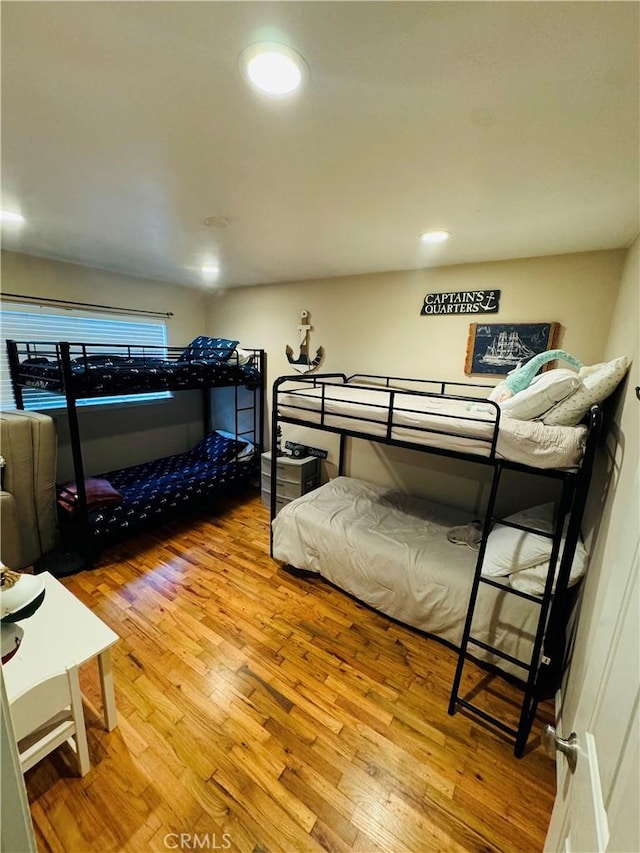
column 294, row 477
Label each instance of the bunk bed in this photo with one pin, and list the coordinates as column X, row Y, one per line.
column 392, row 551
column 106, row 507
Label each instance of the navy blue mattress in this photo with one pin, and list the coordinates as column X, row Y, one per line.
column 158, row 490
column 112, row 374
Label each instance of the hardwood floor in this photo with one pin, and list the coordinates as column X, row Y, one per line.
column 263, row 712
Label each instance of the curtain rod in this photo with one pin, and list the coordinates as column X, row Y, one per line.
column 66, row 303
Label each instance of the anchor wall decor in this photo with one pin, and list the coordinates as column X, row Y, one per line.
column 303, row 363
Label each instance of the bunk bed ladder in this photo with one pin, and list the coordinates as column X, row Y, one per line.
column 255, row 406
column 529, row 667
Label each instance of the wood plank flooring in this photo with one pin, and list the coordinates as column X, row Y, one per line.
column 263, row 712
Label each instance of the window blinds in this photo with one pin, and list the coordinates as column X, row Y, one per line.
column 50, row 324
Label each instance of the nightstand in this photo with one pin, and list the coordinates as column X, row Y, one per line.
column 294, row 477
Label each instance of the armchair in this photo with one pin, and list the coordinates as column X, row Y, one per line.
column 27, row 497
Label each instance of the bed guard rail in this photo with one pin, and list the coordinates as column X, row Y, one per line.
column 403, row 411
column 83, row 352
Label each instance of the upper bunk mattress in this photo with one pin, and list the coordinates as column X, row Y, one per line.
column 391, row 551
column 445, row 423
column 99, row 375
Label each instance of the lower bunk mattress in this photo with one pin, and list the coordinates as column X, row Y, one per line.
column 156, row 491
column 391, row 552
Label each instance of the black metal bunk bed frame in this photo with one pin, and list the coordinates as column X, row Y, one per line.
column 62, row 351
column 546, row 665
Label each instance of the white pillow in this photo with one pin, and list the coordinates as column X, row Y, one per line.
column 597, row 383
column 533, row 579
column 545, row 390
column 244, row 356
column 511, row 550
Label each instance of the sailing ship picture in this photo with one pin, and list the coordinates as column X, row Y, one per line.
column 506, row 349
column 498, row 348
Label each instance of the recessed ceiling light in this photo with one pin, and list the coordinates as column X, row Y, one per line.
column 210, row 271
column 274, row 69
column 435, row 236
column 9, row 216
column 217, row 221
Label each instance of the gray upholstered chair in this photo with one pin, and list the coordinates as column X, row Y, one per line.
column 28, row 523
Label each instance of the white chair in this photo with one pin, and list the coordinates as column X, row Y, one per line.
column 47, row 715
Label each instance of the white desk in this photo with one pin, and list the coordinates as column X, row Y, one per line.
column 62, row 633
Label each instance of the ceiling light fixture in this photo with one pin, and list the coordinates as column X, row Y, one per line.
column 210, row 271
column 435, row 236
column 217, row 221
column 12, row 218
column 274, row 69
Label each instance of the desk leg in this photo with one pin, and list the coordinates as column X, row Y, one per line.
column 108, row 694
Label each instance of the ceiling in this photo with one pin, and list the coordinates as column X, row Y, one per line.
column 126, row 124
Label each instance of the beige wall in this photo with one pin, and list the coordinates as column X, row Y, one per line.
column 372, row 323
column 365, row 323
column 119, row 436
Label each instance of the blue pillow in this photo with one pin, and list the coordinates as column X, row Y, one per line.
column 218, row 448
column 220, row 349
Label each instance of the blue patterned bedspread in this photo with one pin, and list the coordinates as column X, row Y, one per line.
column 101, row 375
column 158, row 490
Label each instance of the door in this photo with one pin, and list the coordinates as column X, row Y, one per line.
column 596, row 806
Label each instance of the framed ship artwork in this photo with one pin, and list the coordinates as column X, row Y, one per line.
column 498, row 348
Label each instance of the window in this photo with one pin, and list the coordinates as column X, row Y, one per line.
column 50, row 324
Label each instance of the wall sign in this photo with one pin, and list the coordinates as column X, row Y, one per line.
column 462, row 302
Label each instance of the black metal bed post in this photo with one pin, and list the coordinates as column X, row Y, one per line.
column 74, row 432
column 343, row 440
column 274, row 457
column 261, row 397
column 206, row 409
column 14, row 367
column 530, row 699
column 236, row 413
column 274, row 436
column 553, row 643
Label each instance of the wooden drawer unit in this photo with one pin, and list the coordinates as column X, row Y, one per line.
column 294, row 477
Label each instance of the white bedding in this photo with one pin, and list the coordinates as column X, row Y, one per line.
column 391, row 551
column 366, row 410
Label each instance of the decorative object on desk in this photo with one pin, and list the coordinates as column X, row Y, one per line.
column 521, row 377
column 304, row 363
column 317, row 452
column 461, row 302
column 20, row 597
column 11, row 636
column 497, row 348
column 279, row 441
column 298, row 451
